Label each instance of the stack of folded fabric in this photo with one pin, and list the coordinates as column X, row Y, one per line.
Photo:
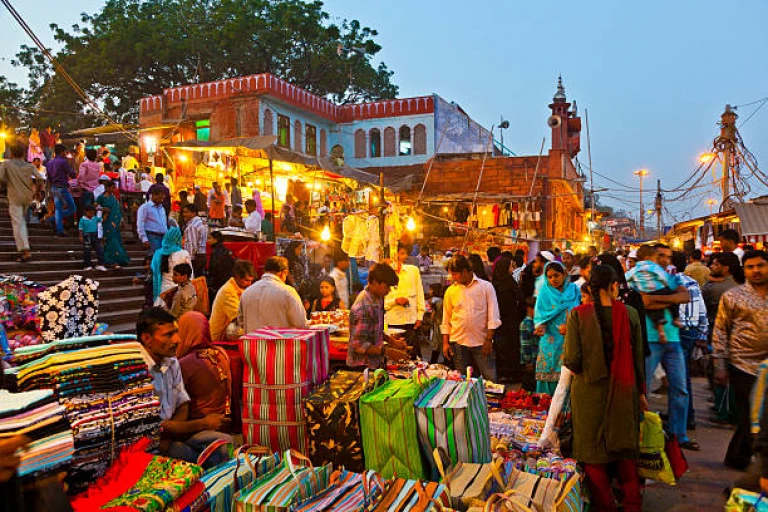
column 39, row 416
column 107, row 391
column 18, row 310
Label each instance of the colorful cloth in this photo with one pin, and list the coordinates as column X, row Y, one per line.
column 529, row 342
column 68, row 309
column 114, row 252
column 648, row 276
column 366, row 329
column 171, row 244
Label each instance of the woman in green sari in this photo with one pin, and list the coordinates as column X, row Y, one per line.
column 114, row 253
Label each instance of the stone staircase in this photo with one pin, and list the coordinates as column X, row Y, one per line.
column 55, row 259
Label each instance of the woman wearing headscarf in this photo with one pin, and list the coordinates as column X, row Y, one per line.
column 507, row 337
column 167, row 257
column 204, row 368
column 557, row 297
column 604, row 350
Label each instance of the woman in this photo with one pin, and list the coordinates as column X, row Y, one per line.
column 112, row 220
column 507, row 337
column 329, row 298
column 88, row 178
column 477, row 266
column 35, row 149
column 169, row 255
column 604, row 350
column 556, row 298
column 299, row 273
column 204, row 368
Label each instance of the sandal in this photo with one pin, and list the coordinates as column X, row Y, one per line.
column 24, row 259
column 690, row 445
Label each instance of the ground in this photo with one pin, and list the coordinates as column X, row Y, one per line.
column 702, row 487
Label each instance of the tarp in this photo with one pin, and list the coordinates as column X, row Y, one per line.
column 753, row 217
column 347, row 171
column 258, row 143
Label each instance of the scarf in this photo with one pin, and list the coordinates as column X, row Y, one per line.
column 171, row 244
column 551, row 302
column 194, row 332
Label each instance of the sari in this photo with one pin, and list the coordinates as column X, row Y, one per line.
column 114, row 252
column 552, row 307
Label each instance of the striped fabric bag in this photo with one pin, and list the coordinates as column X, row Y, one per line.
column 453, row 416
column 223, row 481
column 388, row 427
column 348, row 492
column 281, row 367
column 545, row 494
column 416, row 495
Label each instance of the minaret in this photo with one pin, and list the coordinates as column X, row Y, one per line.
column 559, row 119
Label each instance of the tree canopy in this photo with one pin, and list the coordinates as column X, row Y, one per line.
column 135, row 48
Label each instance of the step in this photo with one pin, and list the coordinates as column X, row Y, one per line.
column 104, row 282
column 120, row 317
column 74, row 264
column 49, row 277
column 123, row 328
column 54, row 254
column 115, row 290
column 121, row 304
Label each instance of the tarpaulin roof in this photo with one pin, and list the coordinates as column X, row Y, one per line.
column 257, row 143
column 753, row 217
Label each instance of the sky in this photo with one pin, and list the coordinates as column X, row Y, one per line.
column 654, row 76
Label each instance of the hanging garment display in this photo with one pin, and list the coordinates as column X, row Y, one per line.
column 373, row 245
column 393, row 230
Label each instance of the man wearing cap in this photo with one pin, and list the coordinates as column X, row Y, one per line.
column 569, row 261
column 99, row 190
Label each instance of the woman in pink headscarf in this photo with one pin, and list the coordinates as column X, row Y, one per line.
column 204, row 368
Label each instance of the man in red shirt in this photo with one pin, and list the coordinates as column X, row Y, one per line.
column 48, row 141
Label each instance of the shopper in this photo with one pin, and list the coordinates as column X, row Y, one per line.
column 339, row 275
column 236, row 196
column 299, row 271
column 35, row 146
column 195, row 238
column 478, row 267
column 48, row 142
column 268, row 227
column 16, row 175
column 59, row 173
column 89, row 236
column 556, row 298
column 236, row 218
column 112, row 223
column 729, row 242
column 470, row 319
column 165, row 259
column 227, row 302
column 152, row 222
column 435, row 339
column 740, row 340
column 724, row 268
column 532, row 277
column 184, row 295
column 159, row 186
column 216, row 200
column 604, row 350
column 404, row 305
column 271, row 302
column 182, row 437
column 220, row 264
column 511, row 309
column 696, row 269
column 329, row 297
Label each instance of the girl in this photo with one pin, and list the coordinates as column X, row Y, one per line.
column 329, row 298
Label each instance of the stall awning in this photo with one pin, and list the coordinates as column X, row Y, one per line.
column 347, row 171
column 754, row 220
column 258, row 143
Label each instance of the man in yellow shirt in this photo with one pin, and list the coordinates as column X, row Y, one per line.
column 227, row 301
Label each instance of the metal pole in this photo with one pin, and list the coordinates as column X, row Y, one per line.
column 658, row 209
column 272, row 190
column 381, row 212
column 726, row 175
column 642, row 209
column 591, row 176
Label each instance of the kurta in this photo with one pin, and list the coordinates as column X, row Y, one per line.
column 585, row 357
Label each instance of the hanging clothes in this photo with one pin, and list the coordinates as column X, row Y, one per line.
column 373, row 247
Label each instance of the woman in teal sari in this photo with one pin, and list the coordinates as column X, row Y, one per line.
column 112, row 218
column 555, row 300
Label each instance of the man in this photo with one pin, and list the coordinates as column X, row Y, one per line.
column 268, row 227
column 339, row 275
column 729, row 242
column 59, row 173
column 721, row 279
column 195, row 238
column 48, row 142
column 569, row 261
column 159, row 185
column 592, row 251
column 200, row 200
column 227, row 301
column 181, row 437
column 17, row 176
column 130, row 162
column 532, row 277
column 470, row 318
column 493, row 253
column 696, row 269
column 694, row 327
column 236, row 197
column 271, row 302
column 367, row 340
column 253, row 221
column 152, row 222
column 740, row 341
column 227, row 199
column 404, row 305
column 669, row 353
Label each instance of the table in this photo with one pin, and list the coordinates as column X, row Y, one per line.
column 256, row 252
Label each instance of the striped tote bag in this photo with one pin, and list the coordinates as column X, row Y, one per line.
column 224, row 480
column 348, row 492
column 453, row 416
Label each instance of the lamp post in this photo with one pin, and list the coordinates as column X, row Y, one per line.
column 641, row 173
column 711, row 202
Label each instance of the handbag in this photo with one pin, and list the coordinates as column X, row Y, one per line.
column 402, row 494
column 746, row 501
column 652, row 461
column 505, row 502
column 545, row 494
column 470, row 484
column 677, row 460
column 347, row 492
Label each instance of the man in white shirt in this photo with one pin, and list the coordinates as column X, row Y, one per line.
column 339, row 275
column 253, row 221
column 729, row 241
column 470, row 318
column 271, row 302
column 404, row 304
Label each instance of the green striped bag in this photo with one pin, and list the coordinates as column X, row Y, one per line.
column 453, row 416
column 388, row 427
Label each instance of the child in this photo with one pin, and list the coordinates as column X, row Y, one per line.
column 529, row 345
column 185, row 295
column 89, row 236
column 649, row 277
column 586, row 296
column 236, row 219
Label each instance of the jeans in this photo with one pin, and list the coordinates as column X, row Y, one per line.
column 91, row 241
column 64, row 204
column 740, row 451
column 464, row 357
column 48, row 153
column 155, row 243
column 670, row 355
column 688, row 339
column 190, row 449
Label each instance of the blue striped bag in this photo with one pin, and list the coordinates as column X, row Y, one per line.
column 453, row 416
column 348, row 492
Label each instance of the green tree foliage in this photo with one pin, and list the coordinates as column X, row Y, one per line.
column 12, row 113
column 135, row 48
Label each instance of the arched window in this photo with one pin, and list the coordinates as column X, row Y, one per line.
column 283, row 131
column 297, row 137
column 390, row 142
column 374, row 142
column 323, row 143
column 419, row 139
column 269, row 123
column 404, row 145
column 359, row 143
column 311, row 140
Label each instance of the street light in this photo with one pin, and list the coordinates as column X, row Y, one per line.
column 642, row 173
column 707, row 157
column 711, row 202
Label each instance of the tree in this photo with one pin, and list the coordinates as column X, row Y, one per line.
column 134, row 48
column 12, row 112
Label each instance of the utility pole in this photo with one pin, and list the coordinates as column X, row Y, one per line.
column 641, row 173
column 726, row 144
column 591, row 176
column 658, row 209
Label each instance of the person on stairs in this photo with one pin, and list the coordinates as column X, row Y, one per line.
column 89, row 236
column 17, row 174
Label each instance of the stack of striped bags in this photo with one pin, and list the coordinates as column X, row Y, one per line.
column 39, row 416
column 105, row 385
column 282, row 367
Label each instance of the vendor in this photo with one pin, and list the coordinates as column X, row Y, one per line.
column 366, row 320
column 253, row 222
column 181, row 437
column 404, row 305
column 329, row 297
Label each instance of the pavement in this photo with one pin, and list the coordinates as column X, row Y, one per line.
column 701, row 488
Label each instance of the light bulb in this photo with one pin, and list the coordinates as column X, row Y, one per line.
column 326, row 234
column 410, row 224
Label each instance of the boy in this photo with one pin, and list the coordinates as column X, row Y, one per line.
column 89, row 236
column 649, row 277
column 529, row 344
column 236, row 219
column 185, row 296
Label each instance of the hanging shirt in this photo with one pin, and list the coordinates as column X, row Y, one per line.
column 411, row 288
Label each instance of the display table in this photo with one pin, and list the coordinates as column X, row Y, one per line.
column 256, row 252
column 337, row 349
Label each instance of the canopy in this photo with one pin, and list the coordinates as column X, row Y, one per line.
column 754, row 220
column 257, row 143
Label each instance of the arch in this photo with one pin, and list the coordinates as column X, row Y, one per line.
column 298, row 144
column 374, row 142
column 419, row 139
column 323, row 143
column 311, row 140
column 269, row 123
column 360, row 143
column 404, row 141
column 390, row 141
